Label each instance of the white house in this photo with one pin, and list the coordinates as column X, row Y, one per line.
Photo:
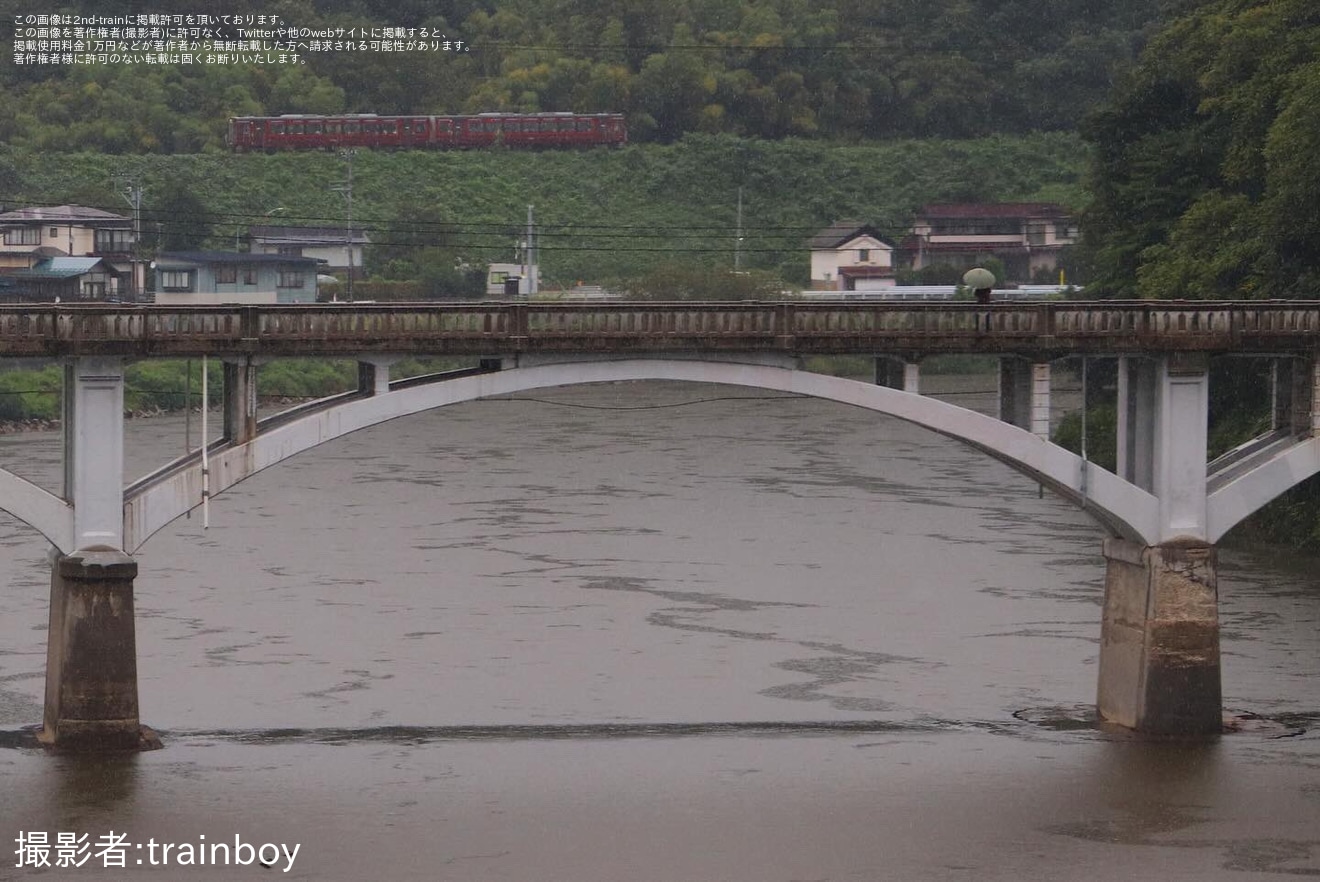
column 851, row 256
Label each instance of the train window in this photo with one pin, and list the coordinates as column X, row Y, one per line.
column 277, row 128
column 314, row 128
column 549, row 125
column 333, row 128
column 405, row 127
column 352, row 128
column 530, row 125
column 584, row 125
column 295, row 128
column 391, row 127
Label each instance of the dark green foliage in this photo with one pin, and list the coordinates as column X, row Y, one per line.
column 1206, row 159
column 31, row 395
column 1101, row 429
column 762, row 68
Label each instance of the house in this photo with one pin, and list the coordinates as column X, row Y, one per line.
column 214, row 277
column 31, row 235
column 1027, row 237
column 338, row 247
column 851, row 256
column 62, row 280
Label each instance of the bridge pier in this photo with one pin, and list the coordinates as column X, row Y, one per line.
column 374, row 374
column 91, row 648
column 240, row 400
column 1024, row 394
column 1159, row 639
column 91, row 653
column 1135, row 427
column 898, row 373
column 1296, row 389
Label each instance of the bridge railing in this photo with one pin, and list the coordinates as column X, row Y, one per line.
column 793, row 326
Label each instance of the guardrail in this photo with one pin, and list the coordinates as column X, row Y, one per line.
column 490, row 328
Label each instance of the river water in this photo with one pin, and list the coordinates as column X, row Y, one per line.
column 654, row 631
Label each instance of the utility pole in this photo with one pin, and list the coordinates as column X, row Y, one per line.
column 347, row 190
column 133, row 195
column 738, row 238
column 530, row 254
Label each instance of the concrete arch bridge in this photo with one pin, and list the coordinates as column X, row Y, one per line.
column 1165, row 507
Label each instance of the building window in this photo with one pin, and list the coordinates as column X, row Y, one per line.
column 289, row 250
column 226, row 275
column 93, row 290
column 176, row 280
column 113, row 241
column 23, row 236
column 863, row 255
column 249, row 275
column 54, row 232
column 290, row 279
column 976, row 227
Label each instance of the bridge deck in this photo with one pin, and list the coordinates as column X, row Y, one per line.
column 1048, row 329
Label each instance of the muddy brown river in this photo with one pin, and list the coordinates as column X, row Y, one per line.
column 650, row 631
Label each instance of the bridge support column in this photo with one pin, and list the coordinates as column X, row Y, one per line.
column 93, row 429
column 1311, row 397
column 1292, row 382
column 897, row 373
column 374, row 375
column 1136, row 421
column 91, row 653
column 1159, row 639
column 888, row 372
column 1024, row 395
column 240, row 401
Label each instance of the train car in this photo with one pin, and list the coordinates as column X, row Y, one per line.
column 373, row 131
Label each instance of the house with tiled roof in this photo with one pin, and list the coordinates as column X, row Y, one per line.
column 29, row 236
column 61, row 280
column 1027, row 237
column 850, row 255
column 338, row 247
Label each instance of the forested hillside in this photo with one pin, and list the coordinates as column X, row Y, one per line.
column 840, row 69
column 1206, row 174
column 602, row 215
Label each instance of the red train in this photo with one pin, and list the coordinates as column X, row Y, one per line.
column 309, row 132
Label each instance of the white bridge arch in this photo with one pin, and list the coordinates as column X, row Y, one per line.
column 1124, row 508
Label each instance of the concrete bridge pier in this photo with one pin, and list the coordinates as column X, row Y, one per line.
column 91, row 649
column 1159, row 639
column 896, row 372
column 374, row 374
column 91, row 653
column 1296, row 390
column 240, row 399
column 1159, row 643
column 1024, row 394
